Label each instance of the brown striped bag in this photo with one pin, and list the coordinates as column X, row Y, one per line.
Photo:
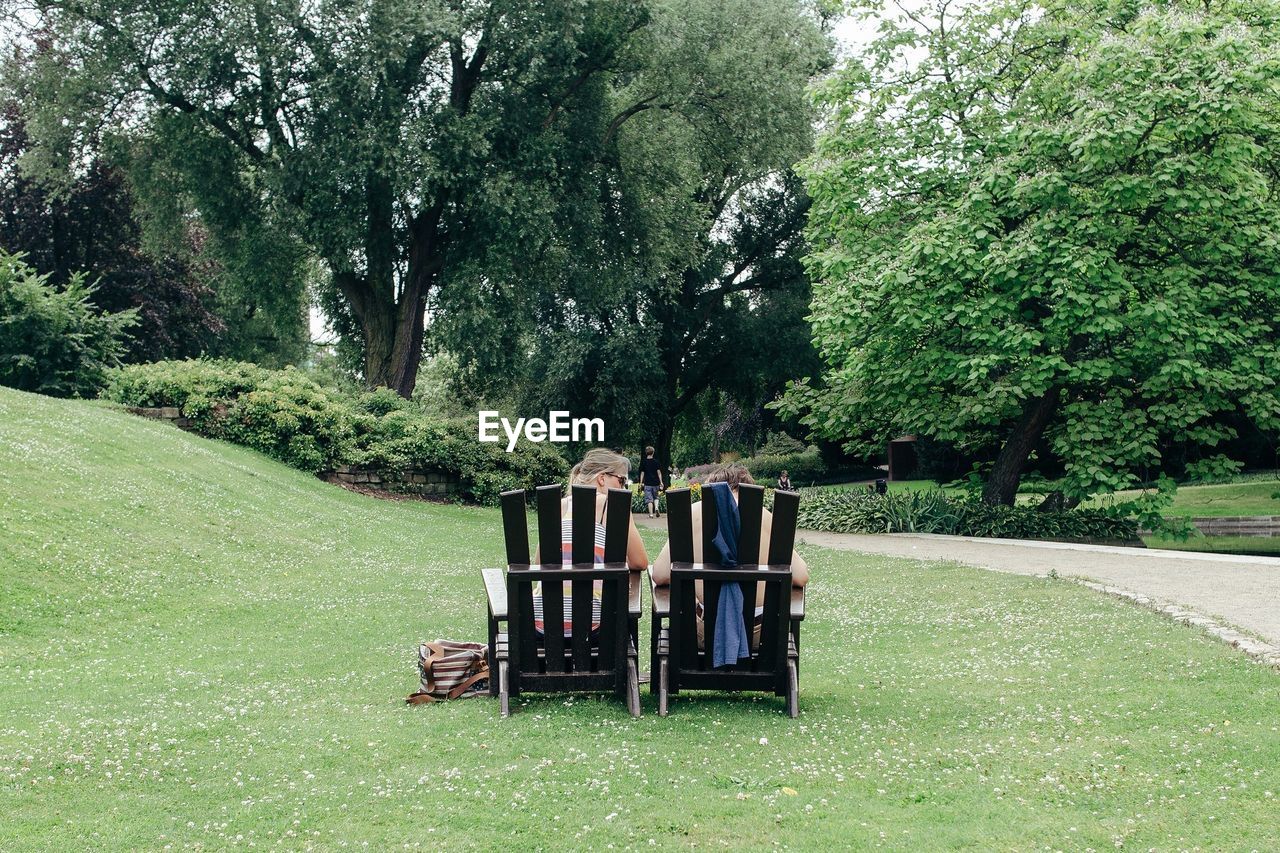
column 451, row 670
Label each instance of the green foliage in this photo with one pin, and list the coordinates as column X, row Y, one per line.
column 283, row 414
column 1075, row 246
column 53, row 340
column 288, row 416
column 405, row 438
column 933, row 511
column 1214, row 469
column 804, row 467
column 780, row 444
column 676, row 275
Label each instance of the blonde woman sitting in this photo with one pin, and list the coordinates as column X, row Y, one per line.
column 604, row 470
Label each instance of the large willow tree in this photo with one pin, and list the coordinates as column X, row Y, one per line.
column 399, row 141
column 1047, row 228
column 675, row 275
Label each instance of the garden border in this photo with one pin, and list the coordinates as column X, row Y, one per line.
column 1260, row 651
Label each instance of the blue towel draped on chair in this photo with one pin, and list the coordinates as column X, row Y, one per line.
column 731, row 642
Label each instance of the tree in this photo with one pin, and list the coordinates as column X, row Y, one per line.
column 54, row 340
column 91, row 227
column 398, row 140
column 1046, row 230
column 678, row 273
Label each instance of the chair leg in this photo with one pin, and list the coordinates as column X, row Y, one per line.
column 504, row 694
column 662, row 686
column 793, row 690
column 633, row 687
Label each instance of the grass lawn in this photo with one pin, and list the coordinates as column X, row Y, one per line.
column 202, row 648
column 1229, row 499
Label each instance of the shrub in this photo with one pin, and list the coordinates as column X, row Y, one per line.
column 700, row 472
column 174, row 383
column 933, row 511
column 780, row 444
column 288, row 416
column 806, row 467
column 54, row 340
column 1214, row 469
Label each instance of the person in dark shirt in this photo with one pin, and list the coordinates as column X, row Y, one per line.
column 651, row 479
column 784, row 482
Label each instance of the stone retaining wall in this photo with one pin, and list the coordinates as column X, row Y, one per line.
column 1240, row 525
column 172, row 414
column 409, row 482
column 1265, row 526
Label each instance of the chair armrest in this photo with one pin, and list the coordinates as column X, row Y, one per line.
column 496, row 588
column 633, row 596
column 797, row 603
column 661, row 598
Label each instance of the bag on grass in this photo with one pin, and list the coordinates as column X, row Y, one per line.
column 451, row 670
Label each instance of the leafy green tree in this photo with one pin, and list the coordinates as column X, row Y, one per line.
column 54, row 340
column 677, row 272
column 397, row 140
column 91, row 226
column 1051, row 229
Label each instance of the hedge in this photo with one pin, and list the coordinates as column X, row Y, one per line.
column 860, row 511
column 289, row 417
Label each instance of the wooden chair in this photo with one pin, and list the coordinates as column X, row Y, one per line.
column 520, row 657
column 677, row 662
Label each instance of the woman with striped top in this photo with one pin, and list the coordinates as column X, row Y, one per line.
column 604, row 470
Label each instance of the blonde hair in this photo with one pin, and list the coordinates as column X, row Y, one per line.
column 598, row 461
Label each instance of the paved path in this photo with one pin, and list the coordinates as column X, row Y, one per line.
column 1242, row 591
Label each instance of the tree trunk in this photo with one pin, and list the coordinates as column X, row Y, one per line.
column 662, row 447
column 1002, row 485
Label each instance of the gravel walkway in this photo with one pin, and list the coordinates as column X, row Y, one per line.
column 1237, row 590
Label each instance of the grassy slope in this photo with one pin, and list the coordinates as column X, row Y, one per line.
column 1229, row 499
column 199, row 646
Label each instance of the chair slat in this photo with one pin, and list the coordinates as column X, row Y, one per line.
column 549, row 525
column 608, row 653
column 782, row 539
column 617, row 530
column 680, row 525
column 751, row 511
column 583, row 546
column 710, row 614
column 687, row 618
column 515, row 527
column 553, row 624
column 617, row 526
column 524, row 648
column 768, row 658
column 710, row 525
column 583, row 513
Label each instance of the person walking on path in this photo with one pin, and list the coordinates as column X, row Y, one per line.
column 651, row 479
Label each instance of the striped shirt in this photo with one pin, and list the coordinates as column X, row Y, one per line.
column 566, row 558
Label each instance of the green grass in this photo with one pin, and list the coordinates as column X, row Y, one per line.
column 1260, row 545
column 202, row 648
column 1230, row 499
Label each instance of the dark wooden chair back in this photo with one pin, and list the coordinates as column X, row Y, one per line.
column 550, row 662
column 691, row 667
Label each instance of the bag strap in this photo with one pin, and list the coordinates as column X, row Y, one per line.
column 428, row 675
column 482, row 672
